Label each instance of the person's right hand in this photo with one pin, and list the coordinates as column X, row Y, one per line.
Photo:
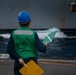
column 21, row 61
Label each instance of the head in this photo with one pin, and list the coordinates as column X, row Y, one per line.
column 24, row 19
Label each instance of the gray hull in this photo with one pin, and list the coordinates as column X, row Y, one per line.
column 44, row 13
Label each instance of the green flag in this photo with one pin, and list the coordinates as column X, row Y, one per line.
column 49, row 37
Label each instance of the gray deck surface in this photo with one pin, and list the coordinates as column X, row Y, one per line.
column 50, row 67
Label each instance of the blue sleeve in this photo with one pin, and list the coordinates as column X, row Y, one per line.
column 40, row 46
column 10, row 49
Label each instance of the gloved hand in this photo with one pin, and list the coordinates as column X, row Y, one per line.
column 21, row 61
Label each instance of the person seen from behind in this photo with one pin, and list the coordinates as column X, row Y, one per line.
column 24, row 43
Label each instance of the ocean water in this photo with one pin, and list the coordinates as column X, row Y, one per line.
column 62, row 46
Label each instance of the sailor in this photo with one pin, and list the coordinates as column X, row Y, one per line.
column 24, row 43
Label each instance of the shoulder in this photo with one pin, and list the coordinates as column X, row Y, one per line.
column 13, row 32
column 35, row 33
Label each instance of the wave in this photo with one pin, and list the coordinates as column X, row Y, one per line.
column 43, row 33
column 4, row 56
column 6, row 36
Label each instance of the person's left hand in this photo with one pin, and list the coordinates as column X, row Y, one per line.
column 46, row 45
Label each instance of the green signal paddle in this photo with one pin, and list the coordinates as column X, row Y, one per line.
column 49, row 37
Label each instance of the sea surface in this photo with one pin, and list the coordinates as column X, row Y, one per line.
column 62, row 46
